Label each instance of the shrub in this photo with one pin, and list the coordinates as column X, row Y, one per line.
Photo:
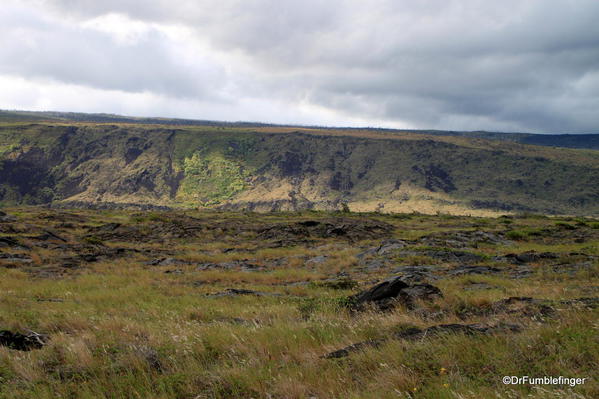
column 516, row 235
column 565, row 226
column 344, row 283
column 93, row 240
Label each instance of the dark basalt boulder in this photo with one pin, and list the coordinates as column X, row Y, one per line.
column 415, row 333
column 48, row 235
column 418, row 277
column 588, row 302
column 317, row 259
column 464, row 239
column 165, row 262
column 388, row 246
column 109, row 227
column 526, row 257
column 22, row 342
column 418, row 274
column 168, row 227
column 7, row 218
column 11, row 242
column 454, row 256
column 389, row 288
column 231, row 292
column 521, row 306
column 341, row 228
column 421, row 291
column 242, row 265
column 446, row 255
column 388, row 293
column 341, row 282
column 454, row 328
column 479, row 286
column 344, row 352
column 174, row 271
column 465, row 270
column 15, row 258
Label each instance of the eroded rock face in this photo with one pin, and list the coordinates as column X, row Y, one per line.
column 390, row 292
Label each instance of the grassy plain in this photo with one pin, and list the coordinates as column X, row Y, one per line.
column 136, row 304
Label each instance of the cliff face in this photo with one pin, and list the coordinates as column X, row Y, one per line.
column 265, row 169
column 89, row 163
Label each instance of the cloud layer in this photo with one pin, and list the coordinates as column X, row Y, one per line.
column 526, row 65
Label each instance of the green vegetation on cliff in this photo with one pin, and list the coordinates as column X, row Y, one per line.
column 210, row 180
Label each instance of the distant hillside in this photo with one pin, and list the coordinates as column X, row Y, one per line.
column 588, row 141
column 267, row 168
column 65, row 117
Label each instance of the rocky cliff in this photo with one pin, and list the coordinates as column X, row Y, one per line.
column 269, row 168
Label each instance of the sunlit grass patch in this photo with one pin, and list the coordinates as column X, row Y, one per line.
column 120, row 327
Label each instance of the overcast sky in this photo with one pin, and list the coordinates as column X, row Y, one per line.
column 510, row 65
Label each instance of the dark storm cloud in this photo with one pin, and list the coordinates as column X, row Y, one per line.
column 527, row 65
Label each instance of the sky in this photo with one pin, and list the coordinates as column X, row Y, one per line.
column 510, row 65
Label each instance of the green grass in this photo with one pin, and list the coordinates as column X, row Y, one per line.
column 122, row 329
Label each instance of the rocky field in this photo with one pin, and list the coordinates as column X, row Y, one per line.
column 213, row 304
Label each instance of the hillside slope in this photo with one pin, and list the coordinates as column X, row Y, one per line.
column 582, row 141
column 274, row 168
